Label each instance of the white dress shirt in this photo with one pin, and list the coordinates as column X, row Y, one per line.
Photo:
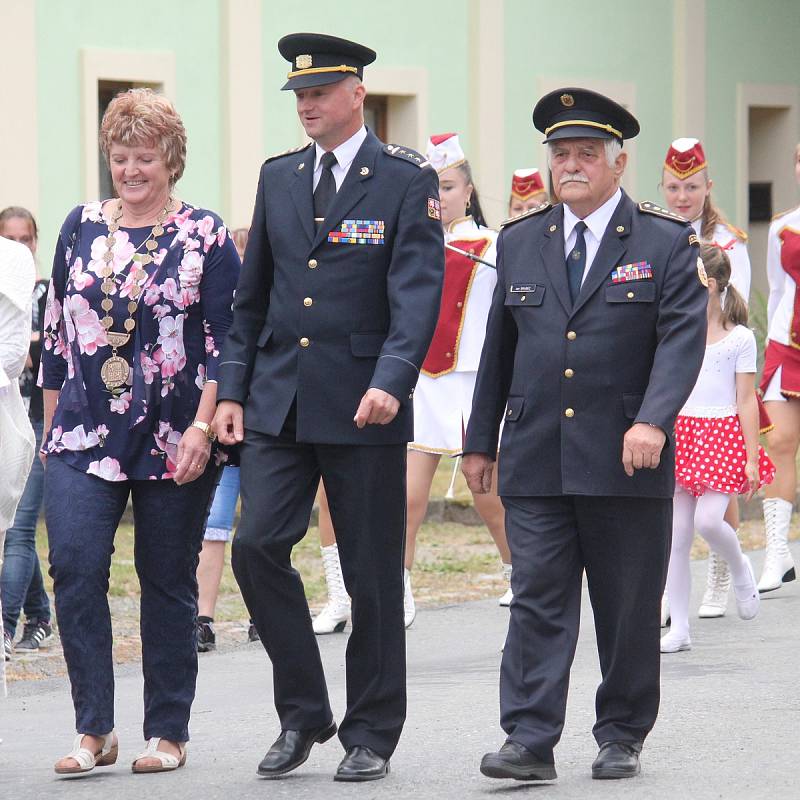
column 596, row 224
column 345, row 154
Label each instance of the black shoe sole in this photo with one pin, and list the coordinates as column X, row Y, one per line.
column 614, row 773
column 362, row 778
column 206, row 648
column 500, row 769
column 320, row 738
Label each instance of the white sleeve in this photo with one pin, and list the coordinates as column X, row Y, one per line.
column 775, row 273
column 740, row 269
column 15, row 339
column 746, row 357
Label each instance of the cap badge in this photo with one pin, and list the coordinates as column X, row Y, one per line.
column 303, row 62
column 567, row 100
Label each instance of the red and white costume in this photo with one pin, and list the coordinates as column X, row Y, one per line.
column 527, row 184
column 709, row 443
column 443, row 397
column 781, row 377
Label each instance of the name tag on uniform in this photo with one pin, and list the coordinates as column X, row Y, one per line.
column 358, row 231
column 522, row 288
column 638, row 271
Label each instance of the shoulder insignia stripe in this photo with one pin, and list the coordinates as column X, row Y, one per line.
column 737, row 232
column 406, row 154
column 784, row 213
column 288, row 152
column 664, row 213
column 532, row 213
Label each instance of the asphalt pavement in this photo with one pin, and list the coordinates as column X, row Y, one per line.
column 729, row 723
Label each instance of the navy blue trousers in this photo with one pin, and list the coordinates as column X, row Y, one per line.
column 622, row 543
column 82, row 513
column 366, row 493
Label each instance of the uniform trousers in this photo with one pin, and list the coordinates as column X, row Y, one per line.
column 82, row 513
column 366, row 492
column 623, row 545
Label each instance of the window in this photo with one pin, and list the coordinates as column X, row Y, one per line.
column 376, row 115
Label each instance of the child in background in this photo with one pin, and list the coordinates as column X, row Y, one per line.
column 717, row 453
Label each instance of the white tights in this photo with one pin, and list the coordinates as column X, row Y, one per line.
column 706, row 515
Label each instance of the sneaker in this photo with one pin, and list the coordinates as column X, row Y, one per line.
column 8, row 646
column 252, row 634
column 206, row 638
column 35, row 634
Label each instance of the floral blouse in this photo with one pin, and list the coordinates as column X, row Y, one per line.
column 183, row 315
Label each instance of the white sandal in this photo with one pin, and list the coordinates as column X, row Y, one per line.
column 168, row 761
column 87, row 760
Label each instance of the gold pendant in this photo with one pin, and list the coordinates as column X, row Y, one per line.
column 114, row 372
column 117, row 339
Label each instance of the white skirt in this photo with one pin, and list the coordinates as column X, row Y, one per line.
column 441, row 412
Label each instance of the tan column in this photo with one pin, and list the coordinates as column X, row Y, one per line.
column 689, row 68
column 19, row 184
column 486, row 53
column 242, row 108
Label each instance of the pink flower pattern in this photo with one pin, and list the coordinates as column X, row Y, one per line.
column 177, row 336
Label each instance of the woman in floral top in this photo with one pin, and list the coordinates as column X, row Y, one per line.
column 139, row 300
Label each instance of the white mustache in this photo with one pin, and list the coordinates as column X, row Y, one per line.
column 577, row 177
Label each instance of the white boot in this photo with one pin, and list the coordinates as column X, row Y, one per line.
column 506, row 599
column 409, row 608
column 747, row 597
column 665, row 617
column 778, row 563
column 334, row 616
column 718, row 584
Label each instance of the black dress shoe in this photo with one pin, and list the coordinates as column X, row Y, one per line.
column 362, row 764
column 291, row 749
column 517, row 762
column 616, row 760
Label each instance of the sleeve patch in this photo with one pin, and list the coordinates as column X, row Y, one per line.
column 434, row 208
column 701, row 272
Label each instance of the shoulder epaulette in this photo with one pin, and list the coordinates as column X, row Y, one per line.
column 287, row 152
column 664, row 213
column 406, row 154
column 783, row 213
column 737, row 232
column 532, row 213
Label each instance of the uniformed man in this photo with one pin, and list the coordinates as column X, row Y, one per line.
column 334, row 312
column 594, row 341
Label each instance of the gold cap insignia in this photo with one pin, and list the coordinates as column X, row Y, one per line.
column 303, row 62
column 567, row 100
column 701, row 272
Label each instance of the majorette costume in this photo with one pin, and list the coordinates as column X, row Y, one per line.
column 527, row 184
column 684, row 159
column 709, row 444
column 781, row 376
column 443, row 397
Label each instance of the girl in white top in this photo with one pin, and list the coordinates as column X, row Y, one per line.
column 716, row 451
column 687, row 191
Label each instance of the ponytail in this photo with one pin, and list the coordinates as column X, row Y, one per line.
column 718, row 266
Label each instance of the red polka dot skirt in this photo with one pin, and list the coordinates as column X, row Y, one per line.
column 710, row 454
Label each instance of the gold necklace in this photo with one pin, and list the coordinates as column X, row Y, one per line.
column 115, row 369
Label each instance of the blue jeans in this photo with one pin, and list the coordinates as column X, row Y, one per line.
column 223, row 508
column 83, row 512
column 21, row 584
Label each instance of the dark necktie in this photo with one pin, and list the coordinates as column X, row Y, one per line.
column 326, row 188
column 576, row 262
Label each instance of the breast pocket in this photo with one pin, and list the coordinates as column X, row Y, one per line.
column 631, row 292
column 525, row 294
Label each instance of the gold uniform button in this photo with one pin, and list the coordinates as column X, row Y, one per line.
column 568, row 373
column 630, row 295
column 569, row 413
column 572, row 336
column 308, row 302
column 312, row 263
column 553, row 228
column 304, row 342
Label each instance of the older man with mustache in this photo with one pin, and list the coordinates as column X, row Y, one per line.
column 594, row 341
